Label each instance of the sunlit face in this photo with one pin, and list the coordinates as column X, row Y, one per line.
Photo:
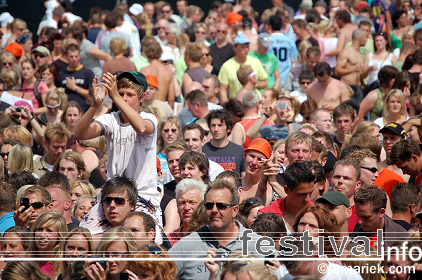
column 308, row 222
column 186, row 203
column 205, row 59
column 35, row 213
column 376, row 133
column 83, row 208
column 241, row 50
column 54, row 107
column 413, row 134
column 5, row 149
column 254, row 161
column 69, row 169
column 114, row 212
column 380, row 42
column 298, row 151
column 77, row 246
column 46, row 238
column 300, row 196
column 323, row 80
column 173, row 163
column 131, row 97
column 28, row 71
column 343, row 124
column 209, row 88
column 136, row 226
column 76, row 193
column 218, row 129
column 150, row 94
column 344, row 180
column 74, row 57
column 58, row 200
column 200, row 34
column 47, row 76
column 72, row 116
column 116, row 250
column 266, row 99
column 220, row 219
column 280, row 154
column 191, row 171
column 367, row 176
column 193, row 139
column 394, row 105
column 170, row 133
column 12, row 246
column 323, row 121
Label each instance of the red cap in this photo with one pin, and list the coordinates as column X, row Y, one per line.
column 261, row 145
column 15, row 49
column 233, row 17
column 152, row 81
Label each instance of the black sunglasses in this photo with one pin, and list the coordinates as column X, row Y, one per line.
column 120, row 201
column 3, row 155
column 251, row 201
column 220, row 205
column 372, row 169
column 37, row 205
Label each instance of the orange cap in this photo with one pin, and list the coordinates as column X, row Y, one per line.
column 152, row 81
column 15, row 49
column 260, row 145
column 158, row 165
column 233, row 17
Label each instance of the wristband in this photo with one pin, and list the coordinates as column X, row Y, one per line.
column 76, row 89
column 31, row 119
column 266, row 115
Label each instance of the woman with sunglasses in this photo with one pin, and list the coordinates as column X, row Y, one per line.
column 36, row 89
column 78, row 244
column 47, row 232
column 54, row 103
column 115, row 243
column 153, row 270
column 169, row 132
column 380, row 58
column 248, row 210
column 206, row 58
column 201, row 31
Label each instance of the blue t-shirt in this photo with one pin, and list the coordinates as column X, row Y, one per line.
column 277, row 131
column 284, row 48
column 6, row 222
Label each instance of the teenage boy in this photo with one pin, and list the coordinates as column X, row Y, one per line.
column 305, row 79
column 131, row 139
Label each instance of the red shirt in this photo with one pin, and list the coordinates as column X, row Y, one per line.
column 353, row 220
column 277, row 207
column 176, row 235
column 246, row 123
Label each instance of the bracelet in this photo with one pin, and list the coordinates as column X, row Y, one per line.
column 266, row 115
column 76, row 89
column 31, row 119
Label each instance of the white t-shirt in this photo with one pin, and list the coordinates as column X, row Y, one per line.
column 213, row 172
column 130, row 154
column 133, row 33
column 334, row 271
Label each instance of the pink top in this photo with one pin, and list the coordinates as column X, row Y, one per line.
column 29, row 90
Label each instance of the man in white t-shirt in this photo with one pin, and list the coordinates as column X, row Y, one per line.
column 131, row 138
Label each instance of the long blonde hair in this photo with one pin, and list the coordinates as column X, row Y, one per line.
column 21, row 158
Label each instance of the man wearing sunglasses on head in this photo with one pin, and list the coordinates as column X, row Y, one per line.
column 219, row 237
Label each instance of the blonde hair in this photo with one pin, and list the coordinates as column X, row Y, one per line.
column 160, row 140
column 399, row 95
column 303, row 46
column 145, row 22
column 23, row 271
column 21, row 158
column 324, row 26
column 18, row 132
column 59, row 95
column 258, row 271
column 118, row 45
column 114, row 234
column 10, row 78
column 75, row 207
column 87, row 188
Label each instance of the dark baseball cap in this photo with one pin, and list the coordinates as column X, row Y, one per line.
column 394, row 128
column 334, row 198
column 136, row 77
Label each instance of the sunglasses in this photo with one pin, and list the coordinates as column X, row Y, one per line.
column 174, row 130
column 205, row 54
column 372, row 169
column 3, row 155
column 252, row 200
column 166, row 11
column 305, row 83
column 39, row 55
column 17, row 117
column 200, row 32
column 7, row 63
column 120, row 201
column 37, row 205
column 220, row 205
column 160, row 27
column 221, row 31
column 205, row 87
column 155, row 250
column 53, row 107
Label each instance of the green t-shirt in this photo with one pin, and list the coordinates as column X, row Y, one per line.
column 181, row 67
column 270, row 64
column 140, row 62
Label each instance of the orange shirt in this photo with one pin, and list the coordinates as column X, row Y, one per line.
column 387, row 180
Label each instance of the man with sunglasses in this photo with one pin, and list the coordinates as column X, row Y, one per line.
column 367, row 161
column 39, row 203
column 41, row 56
column 221, row 235
column 221, row 50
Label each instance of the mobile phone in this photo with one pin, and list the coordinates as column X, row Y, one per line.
column 17, row 109
column 269, row 257
column 281, row 105
column 124, row 276
column 103, row 264
column 24, row 202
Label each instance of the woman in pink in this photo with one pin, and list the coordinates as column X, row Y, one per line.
column 30, row 82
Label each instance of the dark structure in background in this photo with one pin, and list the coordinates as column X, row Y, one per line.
column 32, row 11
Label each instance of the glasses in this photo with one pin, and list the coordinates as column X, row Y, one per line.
column 3, row 155
column 7, row 63
column 200, row 32
column 220, row 205
column 120, row 201
column 205, row 54
column 222, row 31
column 17, row 117
column 160, row 27
column 205, row 87
column 174, row 130
column 155, row 250
column 372, row 169
column 251, row 201
column 166, row 11
column 37, row 205
column 39, row 55
column 53, row 107
column 206, row 132
column 305, row 83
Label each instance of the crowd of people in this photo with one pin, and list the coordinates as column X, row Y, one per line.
column 170, row 133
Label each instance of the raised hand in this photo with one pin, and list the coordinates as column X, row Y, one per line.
column 110, row 84
column 98, row 93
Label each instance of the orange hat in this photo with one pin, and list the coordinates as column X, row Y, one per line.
column 233, row 17
column 260, row 145
column 152, row 81
column 15, row 49
column 158, row 165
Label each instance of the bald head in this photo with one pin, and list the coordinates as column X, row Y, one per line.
column 193, row 86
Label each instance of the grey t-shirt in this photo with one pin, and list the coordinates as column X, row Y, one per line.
column 87, row 60
column 196, row 245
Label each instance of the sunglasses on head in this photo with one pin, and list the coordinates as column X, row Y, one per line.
column 155, row 250
column 53, row 107
column 372, row 169
column 252, row 200
column 120, row 201
column 220, row 205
